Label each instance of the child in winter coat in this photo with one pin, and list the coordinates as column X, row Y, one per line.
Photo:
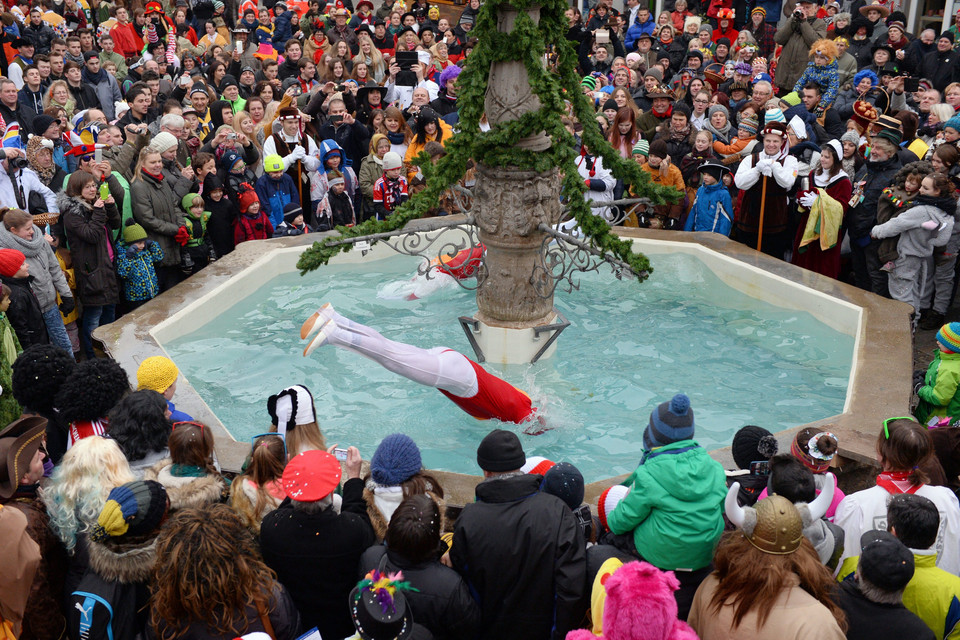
column 252, row 224
column 24, row 311
column 937, row 395
column 332, row 159
column 690, row 164
column 190, row 474
column 923, row 227
column 742, row 144
column 390, row 191
column 223, row 215
column 823, row 70
column 336, row 208
column 292, row 224
column 258, row 491
column 895, row 199
column 198, row 252
column 237, row 173
column 713, row 208
column 136, row 256
column 275, row 189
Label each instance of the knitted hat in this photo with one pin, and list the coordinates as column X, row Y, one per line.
column 752, row 443
column 230, row 158
column 41, row 123
column 334, row 178
column 850, row 136
column 156, row 373
column 774, row 115
column 10, row 262
column 949, row 337
column 500, row 451
column 610, row 103
column 133, row 232
column 641, row 148
column 392, row 160
column 885, row 561
column 743, row 68
column 723, row 41
column 669, row 422
column 609, row 500
column 291, row 211
column 589, row 82
column 311, row 476
column 759, row 10
column 273, row 162
column 948, row 35
column 186, row 202
column 537, row 465
column 633, row 56
column 566, row 482
column 952, row 123
column 198, row 87
column 134, row 509
column 654, row 72
column 396, row 460
column 750, row 124
column 792, row 98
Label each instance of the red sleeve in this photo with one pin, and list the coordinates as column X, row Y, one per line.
column 378, row 191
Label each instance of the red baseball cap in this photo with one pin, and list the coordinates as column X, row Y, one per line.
column 311, row 476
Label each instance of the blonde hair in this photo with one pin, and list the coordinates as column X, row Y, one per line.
column 80, row 485
column 138, row 169
column 376, row 58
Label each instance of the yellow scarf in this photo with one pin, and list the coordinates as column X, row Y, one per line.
column 826, row 216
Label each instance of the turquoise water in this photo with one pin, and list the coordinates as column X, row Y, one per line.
column 630, row 347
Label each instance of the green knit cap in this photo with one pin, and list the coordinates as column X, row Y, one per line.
column 187, row 201
column 590, row 82
column 641, row 148
column 133, row 232
column 792, row 98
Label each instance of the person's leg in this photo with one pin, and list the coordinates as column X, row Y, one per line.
column 438, row 367
column 56, row 330
column 89, row 322
column 943, row 278
column 878, row 278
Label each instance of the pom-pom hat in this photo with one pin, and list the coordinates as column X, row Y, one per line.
column 537, row 465
column 670, row 422
column 133, row 232
column 311, row 476
column 752, row 443
column 156, row 373
column 396, row 460
column 949, row 337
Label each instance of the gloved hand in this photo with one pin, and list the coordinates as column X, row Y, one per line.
column 67, row 305
column 182, row 237
column 765, row 167
column 299, row 153
column 930, row 225
column 808, row 199
column 131, row 252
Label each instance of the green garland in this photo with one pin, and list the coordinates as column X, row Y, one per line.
column 495, row 148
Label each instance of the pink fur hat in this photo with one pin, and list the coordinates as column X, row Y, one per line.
column 640, row 606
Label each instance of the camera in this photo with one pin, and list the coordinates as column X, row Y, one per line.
column 340, row 454
column 19, row 163
column 231, row 136
column 799, row 14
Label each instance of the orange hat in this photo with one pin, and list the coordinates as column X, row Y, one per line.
column 311, row 476
column 10, row 262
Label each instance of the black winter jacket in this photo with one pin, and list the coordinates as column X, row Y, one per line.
column 316, row 557
column 522, row 553
column 876, row 177
column 442, row 602
column 24, row 312
column 86, row 228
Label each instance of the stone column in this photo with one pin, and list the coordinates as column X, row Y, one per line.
column 509, row 204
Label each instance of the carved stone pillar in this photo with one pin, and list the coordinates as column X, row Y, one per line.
column 509, row 204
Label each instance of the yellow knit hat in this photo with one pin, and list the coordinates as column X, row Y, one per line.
column 156, row 373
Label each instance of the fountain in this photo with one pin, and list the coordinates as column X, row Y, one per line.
column 514, row 213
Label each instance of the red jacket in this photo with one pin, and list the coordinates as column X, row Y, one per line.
column 126, row 42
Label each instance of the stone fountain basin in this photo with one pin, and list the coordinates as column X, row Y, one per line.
column 879, row 385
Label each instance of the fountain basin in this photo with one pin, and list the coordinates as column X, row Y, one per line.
column 878, row 384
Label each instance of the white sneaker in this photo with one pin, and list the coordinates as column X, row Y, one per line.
column 316, row 322
column 322, row 338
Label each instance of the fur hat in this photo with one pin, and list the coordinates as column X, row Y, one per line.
column 824, row 47
column 396, row 460
column 639, row 603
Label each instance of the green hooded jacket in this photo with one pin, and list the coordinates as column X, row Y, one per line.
column 938, row 395
column 675, row 506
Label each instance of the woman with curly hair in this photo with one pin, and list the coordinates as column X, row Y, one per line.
column 76, row 493
column 140, row 424
column 38, row 374
column 211, row 581
column 58, row 95
column 257, row 491
column 190, row 474
column 88, row 395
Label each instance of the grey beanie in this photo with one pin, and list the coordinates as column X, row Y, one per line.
column 718, row 107
column 654, row 72
column 850, row 136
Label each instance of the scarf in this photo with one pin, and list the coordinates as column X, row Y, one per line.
column 723, row 134
column 187, row 471
column 897, row 482
column 945, row 204
column 680, row 135
column 158, row 178
column 395, row 138
column 93, row 78
column 664, row 115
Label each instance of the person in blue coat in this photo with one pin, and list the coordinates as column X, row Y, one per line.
column 275, row 189
column 713, row 208
column 643, row 24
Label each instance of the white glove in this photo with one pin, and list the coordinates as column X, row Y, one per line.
column 299, row 153
column 766, row 167
column 808, row 199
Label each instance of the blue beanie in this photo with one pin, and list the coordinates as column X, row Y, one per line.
column 229, row 159
column 396, row 460
column 669, row 422
column 566, row 482
column 953, row 123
